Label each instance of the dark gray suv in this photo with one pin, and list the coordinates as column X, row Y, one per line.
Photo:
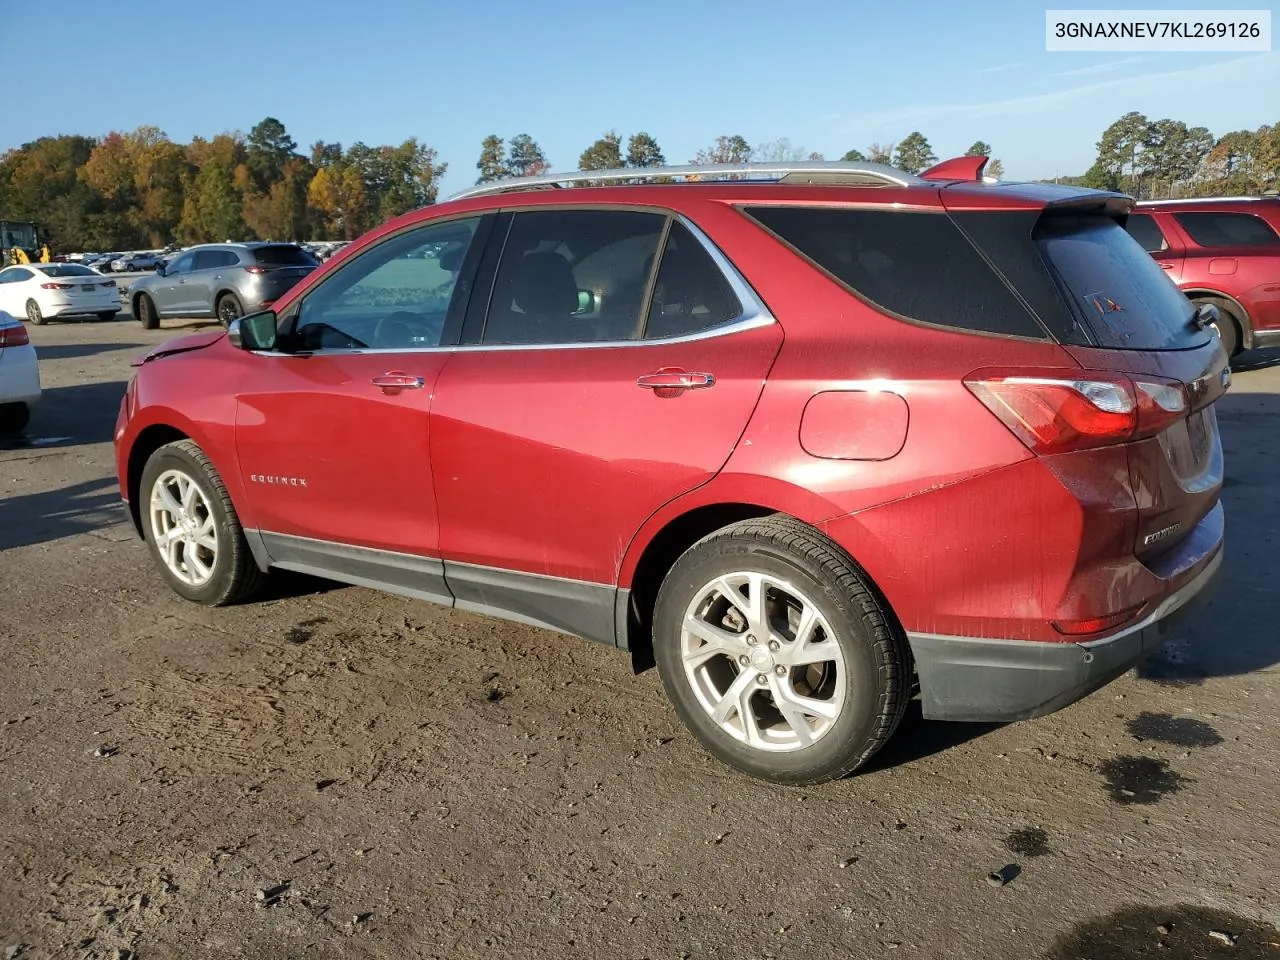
column 223, row 280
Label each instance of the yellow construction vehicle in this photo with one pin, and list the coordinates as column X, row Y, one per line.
column 20, row 242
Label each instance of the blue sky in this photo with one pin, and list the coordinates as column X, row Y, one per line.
column 827, row 77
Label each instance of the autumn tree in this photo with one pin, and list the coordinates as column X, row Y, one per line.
column 914, row 153
column 726, row 149
column 525, row 158
column 604, row 154
column 781, row 151
column 643, row 151
column 880, row 153
column 492, row 164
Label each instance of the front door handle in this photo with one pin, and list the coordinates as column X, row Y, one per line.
column 1166, row 265
column 673, row 378
column 395, row 380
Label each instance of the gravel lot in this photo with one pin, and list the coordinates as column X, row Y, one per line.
column 333, row 772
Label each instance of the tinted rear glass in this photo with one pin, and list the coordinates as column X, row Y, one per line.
column 1227, row 229
column 284, row 256
column 1124, row 297
column 67, row 270
column 1143, row 228
column 916, row 265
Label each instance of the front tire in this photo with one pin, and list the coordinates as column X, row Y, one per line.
column 14, row 418
column 147, row 315
column 777, row 653
column 33, row 313
column 192, row 529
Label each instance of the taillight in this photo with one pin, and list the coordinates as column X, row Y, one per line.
column 1057, row 413
column 13, row 337
column 56, row 286
column 109, row 283
column 255, row 269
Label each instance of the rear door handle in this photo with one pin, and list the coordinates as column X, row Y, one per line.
column 674, row 379
column 396, row 380
column 1166, row 266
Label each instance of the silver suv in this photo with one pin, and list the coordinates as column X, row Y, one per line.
column 223, row 280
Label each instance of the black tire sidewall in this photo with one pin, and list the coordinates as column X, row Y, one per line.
column 147, row 315
column 221, row 583
column 222, row 301
column 842, row 747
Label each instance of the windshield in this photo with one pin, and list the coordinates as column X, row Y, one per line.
column 65, row 270
column 1124, row 298
column 285, row 255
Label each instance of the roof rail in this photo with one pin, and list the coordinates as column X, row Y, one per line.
column 1262, row 196
column 801, row 171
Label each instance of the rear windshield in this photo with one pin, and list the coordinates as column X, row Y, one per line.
column 1124, row 298
column 285, row 255
column 66, row 270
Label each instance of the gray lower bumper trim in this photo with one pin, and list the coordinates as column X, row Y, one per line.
column 994, row 681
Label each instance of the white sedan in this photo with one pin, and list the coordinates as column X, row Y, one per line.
column 43, row 291
column 19, row 375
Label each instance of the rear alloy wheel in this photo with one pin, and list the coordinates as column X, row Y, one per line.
column 14, row 418
column 146, row 311
column 192, row 528
column 33, row 313
column 777, row 654
column 229, row 308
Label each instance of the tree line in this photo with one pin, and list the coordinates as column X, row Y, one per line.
column 142, row 190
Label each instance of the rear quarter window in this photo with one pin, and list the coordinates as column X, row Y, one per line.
column 918, row 266
column 1223, row 229
column 1125, row 300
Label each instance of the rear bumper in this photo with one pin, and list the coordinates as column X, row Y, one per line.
column 19, row 375
column 1266, row 338
column 995, row 681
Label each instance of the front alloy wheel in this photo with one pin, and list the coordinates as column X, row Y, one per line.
column 183, row 527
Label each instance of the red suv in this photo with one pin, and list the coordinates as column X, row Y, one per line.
column 812, row 436
column 1221, row 251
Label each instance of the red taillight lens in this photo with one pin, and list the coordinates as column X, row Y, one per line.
column 1078, row 628
column 56, row 286
column 13, row 337
column 255, row 269
column 1057, row 413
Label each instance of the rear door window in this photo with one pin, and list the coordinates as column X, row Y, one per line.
column 1220, row 229
column 1122, row 295
column 918, row 266
column 573, row 276
column 691, row 294
column 1143, row 228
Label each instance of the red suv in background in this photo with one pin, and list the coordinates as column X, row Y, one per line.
column 1223, row 251
column 812, row 437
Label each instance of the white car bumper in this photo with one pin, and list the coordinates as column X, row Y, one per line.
column 19, row 375
column 79, row 302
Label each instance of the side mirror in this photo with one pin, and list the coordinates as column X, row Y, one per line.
column 160, row 269
column 257, row 331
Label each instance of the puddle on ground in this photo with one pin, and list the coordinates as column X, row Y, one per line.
column 1179, row 731
column 1172, row 664
column 1028, row 842
column 1140, row 780
column 1181, row 932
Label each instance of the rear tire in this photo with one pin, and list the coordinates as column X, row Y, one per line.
column 14, row 418
column 192, row 528
column 1230, row 327
column 33, row 313
column 147, row 315
column 228, row 308
column 802, row 688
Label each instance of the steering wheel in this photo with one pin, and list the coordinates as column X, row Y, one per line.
column 398, row 329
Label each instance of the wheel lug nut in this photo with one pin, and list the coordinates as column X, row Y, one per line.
column 762, row 679
column 780, row 671
column 751, row 641
column 744, row 660
column 774, row 645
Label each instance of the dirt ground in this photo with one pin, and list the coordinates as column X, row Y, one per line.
column 333, row 772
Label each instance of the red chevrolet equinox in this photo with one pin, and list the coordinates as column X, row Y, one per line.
column 816, row 438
